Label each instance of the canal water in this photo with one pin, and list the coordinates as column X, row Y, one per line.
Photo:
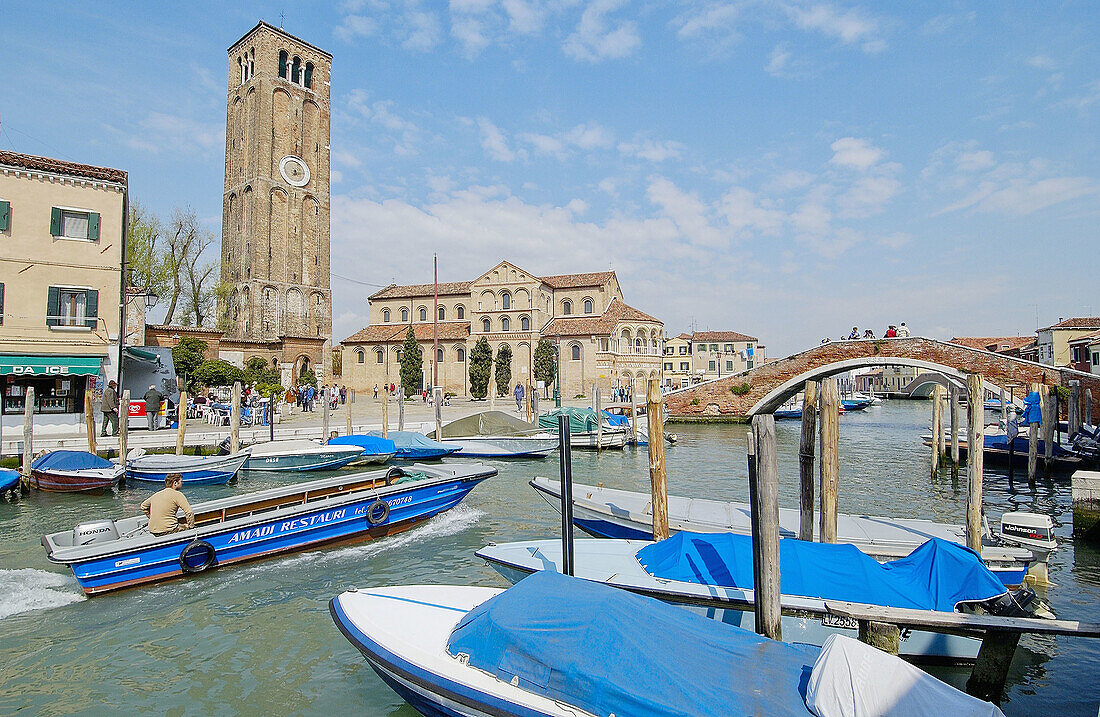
column 257, row 639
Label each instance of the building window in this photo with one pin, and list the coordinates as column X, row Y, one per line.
column 72, row 307
column 5, row 215
column 683, row 350
column 74, row 224
column 439, row 355
column 296, row 70
column 566, row 308
column 710, row 366
column 575, row 352
column 404, row 316
column 282, row 63
column 524, row 323
column 685, row 366
column 486, row 325
column 505, row 325
column 701, row 348
column 460, row 355
column 588, row 306
column 460, row 311
column 639, row 346
column 729, row 365
column 1095, row 355
column 379, row 356
column 728, row 348
column 442, row 313
column 360, row 356
column 386, row 315
column 309, row 75
column 714, row 347
column 1, row 304
column 505, row 300
column 423, row 314
column 749, row 365
column 668, row 367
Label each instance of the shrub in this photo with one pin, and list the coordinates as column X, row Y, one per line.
column 695, row 402
column 741, row 389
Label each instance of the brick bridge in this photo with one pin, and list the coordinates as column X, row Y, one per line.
column 765, row 388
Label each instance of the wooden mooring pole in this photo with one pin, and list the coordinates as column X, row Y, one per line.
column 806, row 462
column 937, row 428
column 565, row 468
column 975, row 440
column 830, row 459
column 235, row 418
column 181, row 422
column 89, row 420
column 437, row 399
column 401, row 408
column 657, row 478
column 1050, row 419
column 535, row 408
column 350, row 400
column 326, row 398
column 28, row 434
column 1073, row 412
column 386, row 413
column 1088, row 407
column 599, row 418
column 124, row 426
column 634, row 414
column 765, row 514
column 954, row 430
column 1033, row 444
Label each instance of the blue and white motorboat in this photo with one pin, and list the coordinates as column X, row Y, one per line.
column 495, row 434
column 557, row 646
column 610, row 513
column 376, row 450
column 299, row 455
column 107, row 555
column 9, row 480
column 854, row 404
column 413, row 446
column 67, row 471
column 713, row 573
column 196, row 470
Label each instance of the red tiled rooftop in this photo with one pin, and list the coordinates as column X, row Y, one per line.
column 58, row 166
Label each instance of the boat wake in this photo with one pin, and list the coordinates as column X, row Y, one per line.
column 28, row 589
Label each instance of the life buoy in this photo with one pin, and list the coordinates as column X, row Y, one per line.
column 393, row 474
column 378, row 511
column 197, row 556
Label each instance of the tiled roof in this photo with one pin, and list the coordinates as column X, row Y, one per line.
column 1084, row 322
column 577, row 281
column 721, row 336
column 1089, row 338
column 395, row 333
column 408, row 291
column 57, row 166
column 994, row 343
column 616, row 312
column 187, row 329
column 684, row 336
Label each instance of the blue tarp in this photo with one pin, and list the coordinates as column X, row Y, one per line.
column 371, row 445
column 8, row 479
column 1000, row 443
column 593, row 646
column 614, row 420
column 69, row 461
column 412, row 445
column 936, row 576
column 1032, row 410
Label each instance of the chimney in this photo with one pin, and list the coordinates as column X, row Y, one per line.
column 1060, row 319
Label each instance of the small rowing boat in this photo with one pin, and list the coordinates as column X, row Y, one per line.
column 9, row 480
column 495, row 434
column 299, row 455
column 195, row 470
column 65, row 471
column 107, row 554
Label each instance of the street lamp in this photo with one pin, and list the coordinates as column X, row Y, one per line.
column 557, row 375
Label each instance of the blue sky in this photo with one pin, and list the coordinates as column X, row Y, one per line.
column 787, row 170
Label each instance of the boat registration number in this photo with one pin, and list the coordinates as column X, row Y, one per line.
column 845, row 623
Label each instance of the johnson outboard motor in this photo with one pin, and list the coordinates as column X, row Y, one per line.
column 101, row 531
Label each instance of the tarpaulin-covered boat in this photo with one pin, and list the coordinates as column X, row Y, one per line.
column 495, row 434
column 583, row 431
column 299, row 455
column 195, row 470
column 556, row 646
column 65, row 471
column 107, row 555
column 375, row 448
column 9, row 480
column 413, row 446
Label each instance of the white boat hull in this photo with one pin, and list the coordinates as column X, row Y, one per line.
column 504, row 446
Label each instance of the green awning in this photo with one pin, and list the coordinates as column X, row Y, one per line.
column 139, row 354
column 49, row 365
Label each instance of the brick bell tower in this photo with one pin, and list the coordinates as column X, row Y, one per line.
column 275, row 211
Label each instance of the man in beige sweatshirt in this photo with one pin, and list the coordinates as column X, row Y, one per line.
column 162, row 508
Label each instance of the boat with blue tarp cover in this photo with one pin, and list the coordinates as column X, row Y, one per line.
column 714, row 572
column 557, row 646
column 413, row 446
column 375, row 448
column 585, row 429
column 65, row 471
column 195, row 470
column 107, row 554
column 9, row 480
column 298, row 455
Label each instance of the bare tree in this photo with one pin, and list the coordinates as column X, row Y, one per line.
column 193, row 280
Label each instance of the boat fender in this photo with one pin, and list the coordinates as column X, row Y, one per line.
column 393, row 474
column 197, row 556
column 378, row 511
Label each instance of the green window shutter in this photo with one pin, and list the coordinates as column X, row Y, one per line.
column 93, row 226
column 5, row 216
column 91, row 308
column 53, row 306
column 55, row 222
column 1, row 304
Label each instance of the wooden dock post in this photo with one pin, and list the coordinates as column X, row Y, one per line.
column 634, row 414
column 528, row 398
column 975, row 441
column 492, row 396
column 326, row 398
column 765, row 513
column 181, row 422
column 565, row 468
column 235, row 418
column 657, row 478
column 271, row 415
column 1088, row 406
column 437, row 399
column 28, row 434
column 350, row 399
column 937, row 428
column 806, row 462
column 89, row 420
column 124, row 426
column 535, row 408
column 830, row 459
column 954, row 430
column 386, row 413
column 599, row 418
column 400, row 408
column 987, row 679
column 1050, row 419
column 1073, row 412
column 1033, row 444
column 1004, row 409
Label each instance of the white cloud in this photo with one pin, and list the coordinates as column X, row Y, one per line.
column 745, row 210
column 849, row 26
column 855, row 153
column 598, row 38
column 590, row 136
column 974, row 161
column 469, row 32
column 868, row 195
column 778, row 60
column 651, row 150
column 1042, row 62
column 1023, row 196
column 544, row 144
column 405, row 133
column 422, row 31
column 789, row 180
column 353, row 26
column 524, row 18
column 160, row 130
column 494, row 142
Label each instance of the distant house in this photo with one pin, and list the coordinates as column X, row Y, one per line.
column 1054, row 340
column 705, row 355
column 1006, row 345
column 1084, row 353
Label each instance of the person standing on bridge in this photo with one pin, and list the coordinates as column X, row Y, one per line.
column 855, row 334
column 903, row 331
column 891, row 332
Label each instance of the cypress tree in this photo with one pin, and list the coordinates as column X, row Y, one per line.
column 412, row 362
column 481, row 361
column 503, row 369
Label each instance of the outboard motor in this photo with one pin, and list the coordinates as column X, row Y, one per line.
column 224, row 446
column 1028, row 530
column 101, row 531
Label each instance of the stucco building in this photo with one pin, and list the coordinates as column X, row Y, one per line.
column 602, row 340
column 1053, row 341
column 63, row 232
column 704, row 355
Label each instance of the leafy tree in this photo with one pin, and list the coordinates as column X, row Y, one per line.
column 266, row 377
column 216, row 372
column 337, row 362
column 188, row 355
column 481, row 362
column 307, row 377
column 503, row 372
column 544, row 361
column 412, row 362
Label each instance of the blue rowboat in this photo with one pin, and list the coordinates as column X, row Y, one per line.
column 107, row 555
column 9, row 480
column 557, row 646
column 196, row 470
column 375, row 448
column 412, row 446
column 65, row 471
column 299, row 455
column 855, row 404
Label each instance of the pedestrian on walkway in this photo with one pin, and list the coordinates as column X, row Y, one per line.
column 518, row 393
column 109, row 406
column 903, row 331
column 153, row 399
column 376, row 392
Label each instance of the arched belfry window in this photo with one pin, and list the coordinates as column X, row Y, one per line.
column 442, row 314
column 505, row 300
column 386, row 315
column 404, row 316
column 296, row 70
column 524, row 323
column 588, row 306
column 486, row 325
column 567, row 308
column 423, row 314
column 309, row 75
column 282, row 63
column 505, row 324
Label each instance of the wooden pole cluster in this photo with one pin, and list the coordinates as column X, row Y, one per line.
column 1033, row 444
column 954, row 430
column 386, row 413
column 437, row 399
column 975, row 440
column 1050, row 418
column 124, row 426
column 326, row 398
column 89, row 420
column 806, row 462
column 937, row 428
column 181, row 422
column 765, row 516
column 400, row 408
column 28, row 434
column 1088, row 407
column 235, row 418
column 1073, row 412
column 830, row 459
column 657, row 478
column 348, row 412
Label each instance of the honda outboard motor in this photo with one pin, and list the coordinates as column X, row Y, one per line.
column 101, row 531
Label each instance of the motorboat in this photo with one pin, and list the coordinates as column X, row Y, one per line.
column 495, row 434
column 106, row 554
column 299, row 455
column 376, row 450
column 195, row 470
column 713, row 573
column 585, row 429
column 558, row 646
column 619, row 415
column 65, row 471
column 9, row 480
column 413, row 446
column 610, row 513
column 855, row 404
